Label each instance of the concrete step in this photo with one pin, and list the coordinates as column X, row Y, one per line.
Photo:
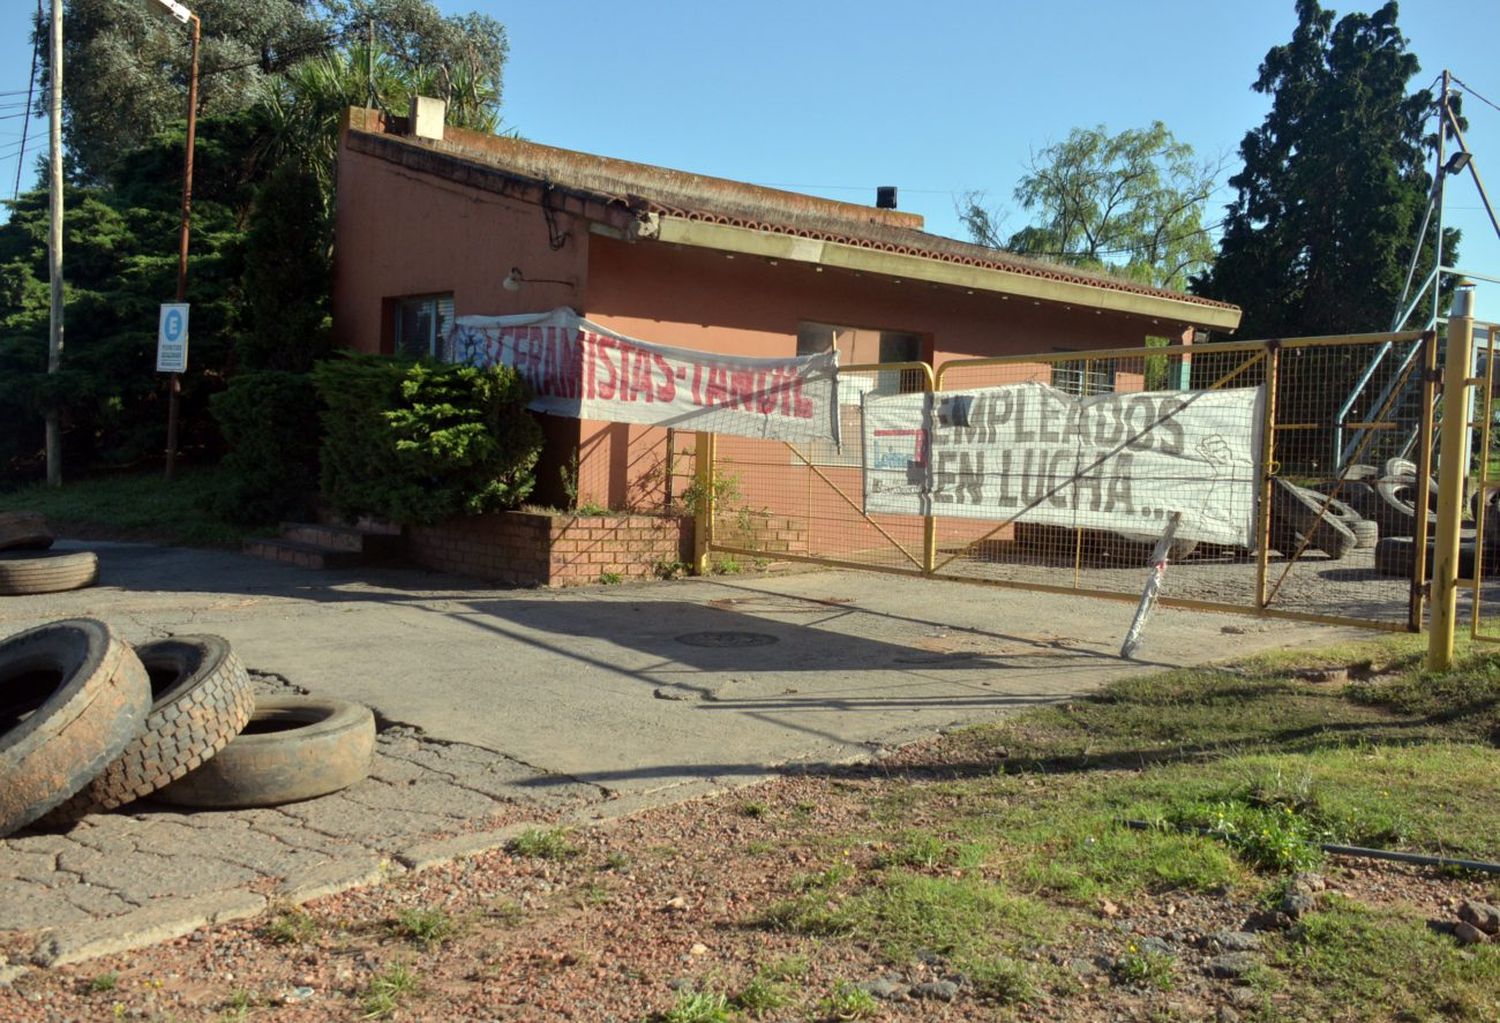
column 375, row 545
column 304, row 555
column 379, row 545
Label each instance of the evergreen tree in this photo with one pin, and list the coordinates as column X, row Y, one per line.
column 1334, row 184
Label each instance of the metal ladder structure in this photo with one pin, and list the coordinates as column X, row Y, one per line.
column 1397, row 360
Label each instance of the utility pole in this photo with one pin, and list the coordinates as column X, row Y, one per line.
column 175, row 386
column 370, row 63
column 55, row 242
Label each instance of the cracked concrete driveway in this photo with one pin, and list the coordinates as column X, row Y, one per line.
column 500, row 706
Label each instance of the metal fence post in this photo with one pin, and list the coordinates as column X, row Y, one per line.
column 1452, row 469
column 703, row 507
column 929, row 521
column 1267, row 465
column 1417, row 601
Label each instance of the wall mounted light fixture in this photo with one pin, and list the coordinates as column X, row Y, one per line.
column 516, row 278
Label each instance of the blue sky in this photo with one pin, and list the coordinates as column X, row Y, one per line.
column 835, row 97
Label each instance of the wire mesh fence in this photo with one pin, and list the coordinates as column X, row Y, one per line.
column 1058, row 471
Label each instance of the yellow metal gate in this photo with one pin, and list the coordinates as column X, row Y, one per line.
column 1336, row 445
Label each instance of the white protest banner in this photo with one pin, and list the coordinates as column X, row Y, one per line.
column 1032, row 453
column 582, row 370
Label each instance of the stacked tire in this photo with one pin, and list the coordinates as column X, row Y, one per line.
column 1303, row 519
column 28, row 565
column 89, row 723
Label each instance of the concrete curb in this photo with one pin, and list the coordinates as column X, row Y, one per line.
column 426, row 855
column 174, row 917
column 335, row 877
column 170, row 918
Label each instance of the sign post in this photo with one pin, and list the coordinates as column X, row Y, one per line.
column 171, row 357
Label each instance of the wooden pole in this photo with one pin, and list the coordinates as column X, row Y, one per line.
column 55, row 242
column 174, row 387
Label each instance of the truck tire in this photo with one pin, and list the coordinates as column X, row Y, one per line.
column 72, row 696
column 294, row 748
column 202, row 700
column 1294, row 510
column 47, row 571
column 24, row 531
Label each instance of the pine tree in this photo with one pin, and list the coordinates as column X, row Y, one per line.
column 1334, row 184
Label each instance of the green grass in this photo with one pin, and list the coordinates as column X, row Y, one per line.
column 425, row 927
column 1009, row 837
column 760, row 995
column 104, row 982
column 292, row 927
column 135, row 505
column 848, row 1002
column 542, row 844
column 698, row 1007
column 387, row 990
column 1351, row 955
column 1145, row 969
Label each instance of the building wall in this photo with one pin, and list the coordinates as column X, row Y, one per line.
column 398, row 234
column 401, row 233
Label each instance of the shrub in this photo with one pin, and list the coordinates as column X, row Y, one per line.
column 270, row 424
column 416, row 442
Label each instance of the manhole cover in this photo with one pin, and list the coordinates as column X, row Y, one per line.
column 730, row 638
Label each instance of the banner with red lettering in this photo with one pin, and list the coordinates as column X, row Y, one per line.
column 584, row 371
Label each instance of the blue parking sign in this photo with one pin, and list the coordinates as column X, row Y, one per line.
column 172, row 338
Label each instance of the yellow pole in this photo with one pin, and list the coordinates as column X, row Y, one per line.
column 1266, row 478
column 1451, row 472
column 929, row 521
column 703, row 508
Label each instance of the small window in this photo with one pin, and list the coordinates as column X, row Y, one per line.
column 422, row 323
column 1081, row 377
column 860, row 346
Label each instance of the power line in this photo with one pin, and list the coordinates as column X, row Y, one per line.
column 1470, row 90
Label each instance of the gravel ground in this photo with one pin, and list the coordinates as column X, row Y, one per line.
column 666, row 901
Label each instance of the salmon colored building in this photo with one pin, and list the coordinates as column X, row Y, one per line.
column 435, row 222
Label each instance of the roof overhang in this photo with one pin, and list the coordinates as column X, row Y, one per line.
column 742, row 240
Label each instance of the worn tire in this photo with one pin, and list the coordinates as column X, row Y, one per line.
column 295, row 747
column 47, row 571
column 1357, row 494
column 1295, row 510
column 1397, row 513
column 72, row 696
column 202, row 700
column 24, row 531
column 1394, row 554
column 1400, row 468
column 1366, row 533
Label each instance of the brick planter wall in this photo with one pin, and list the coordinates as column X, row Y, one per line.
column 528, row 549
